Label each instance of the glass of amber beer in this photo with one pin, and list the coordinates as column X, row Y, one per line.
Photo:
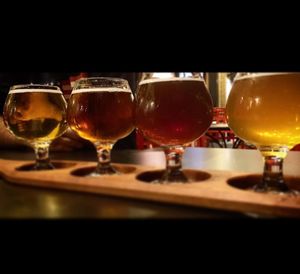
column 37, row 114
column 264, row 109
column 173, row 110
column 101, row 110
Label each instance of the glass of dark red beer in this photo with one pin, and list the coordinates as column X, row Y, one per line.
column 173, row 109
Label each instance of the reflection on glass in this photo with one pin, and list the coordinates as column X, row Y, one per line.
column 264, row 109
column 101, row 110
column 36, row 114
column 173, row 109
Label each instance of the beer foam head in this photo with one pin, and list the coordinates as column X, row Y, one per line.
column 258, row 74
column 34, row 88
column 155, row 80
column 100, row 89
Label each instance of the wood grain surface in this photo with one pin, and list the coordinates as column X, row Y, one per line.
column 226, row 190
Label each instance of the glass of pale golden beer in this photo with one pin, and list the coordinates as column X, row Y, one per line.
column 36, row 114
column 264, row 109
column 173, row 110
column 101, row 110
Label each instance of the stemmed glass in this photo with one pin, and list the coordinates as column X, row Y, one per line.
column 101, row 110
column 264, row 109
column 173, row 109
column 36, row 113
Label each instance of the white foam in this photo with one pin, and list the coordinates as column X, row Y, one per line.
column 82, row 90
column 260, row 74
column 169, row 80
column 26, row 90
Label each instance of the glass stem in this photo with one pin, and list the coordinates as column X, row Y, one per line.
column 273, row 170
column 42, row 156
column 173, row 171
column 273, row 174
column 104, row 158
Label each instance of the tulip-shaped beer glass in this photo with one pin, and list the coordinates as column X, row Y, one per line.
column 101, row 110
column 37, row 114
column 172, row 110
column 264, row 109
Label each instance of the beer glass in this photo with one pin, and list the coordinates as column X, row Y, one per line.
column 264, row 109
column 101, row 110
column 37, row 114
column 173, row 110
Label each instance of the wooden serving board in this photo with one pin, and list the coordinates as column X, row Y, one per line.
column 210, row 189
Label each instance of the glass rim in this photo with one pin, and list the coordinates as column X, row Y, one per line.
column 115, row 80
column 35, row 86
column 245, row 75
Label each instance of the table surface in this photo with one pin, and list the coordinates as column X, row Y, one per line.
column 32, row 202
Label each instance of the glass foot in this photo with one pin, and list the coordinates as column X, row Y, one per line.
column 43, row 166
column 100, row 171
column 279, row 188
column 173, row 176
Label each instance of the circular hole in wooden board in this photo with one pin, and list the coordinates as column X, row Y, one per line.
column 57, row 165
column 193, row 176
column 85, row 171
column 248, row 181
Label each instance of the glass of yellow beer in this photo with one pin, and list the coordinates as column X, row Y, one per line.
column 37, row 114
column 101, row 110
column 264, row 109
column 173, row 109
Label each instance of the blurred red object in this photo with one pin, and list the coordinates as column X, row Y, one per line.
column 296, row 148
column 219, row 115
